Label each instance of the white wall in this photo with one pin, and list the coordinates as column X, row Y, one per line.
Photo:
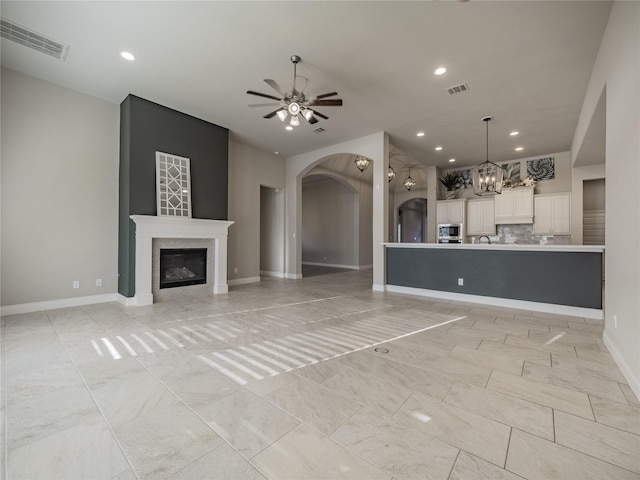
column 329, row 223
column 617, row 68
column 249, row 168
column 271, row 231
column 60, row 157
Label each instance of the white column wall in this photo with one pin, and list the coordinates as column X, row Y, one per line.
column 375, row 147
column 617, row 68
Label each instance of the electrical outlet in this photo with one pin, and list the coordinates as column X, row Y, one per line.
column 461, row 282
column 98, row 282
column 615, row 321
column 235, row 269
column 76, row 284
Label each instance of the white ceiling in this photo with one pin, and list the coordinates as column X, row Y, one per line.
column 527, row 63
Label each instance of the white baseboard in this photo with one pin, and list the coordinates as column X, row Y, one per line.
column 378, row 288
column 54, row 304
column 501, row 302
column 242, row 281
column 265, row 273
column 634, row 382
column 293, row 276
column 331, row 265
column 127, row 301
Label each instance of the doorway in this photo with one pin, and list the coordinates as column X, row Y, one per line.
column 412, row 221
column 271, row 231
column 593, row 211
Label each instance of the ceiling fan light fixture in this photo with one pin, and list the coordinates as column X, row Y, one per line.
column 294, row 122
column 307, row 113
column 282, row 115
column 362, row 163
column 294, row 108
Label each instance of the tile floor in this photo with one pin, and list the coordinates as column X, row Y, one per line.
column 318, row 378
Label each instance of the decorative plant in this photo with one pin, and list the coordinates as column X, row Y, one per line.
column 449, row 180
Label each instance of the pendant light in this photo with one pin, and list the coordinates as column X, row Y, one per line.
column 487, row 177
column 362, row 163
column 409, row 182
column 391, row 174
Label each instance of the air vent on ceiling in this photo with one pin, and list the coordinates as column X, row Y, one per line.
column 319, row 130
column 463, row 87
column 31, row 39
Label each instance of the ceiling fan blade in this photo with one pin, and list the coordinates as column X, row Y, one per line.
column 273, row 84
column 326, row 103
column 263, row 104
column 315, row 112
column 251, row 92
column 325, row 95
column 272, row 114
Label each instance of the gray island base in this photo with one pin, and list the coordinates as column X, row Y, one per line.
column 563, row 279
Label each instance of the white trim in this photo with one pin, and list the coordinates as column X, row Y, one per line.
column 502, row 246
column 331, row 265
column 242, row 281
column 501, row 302
column 379, row 288
column 127, row 301
column 365, row 267
column 633, row 381
column 293, row 276
column 54, row 304
column 265, row 273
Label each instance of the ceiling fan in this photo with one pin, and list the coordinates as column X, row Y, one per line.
column 294, row 103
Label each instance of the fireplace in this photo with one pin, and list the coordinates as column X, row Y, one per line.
column 180, row 267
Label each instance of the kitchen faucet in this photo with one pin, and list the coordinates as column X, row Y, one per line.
column 484, row 236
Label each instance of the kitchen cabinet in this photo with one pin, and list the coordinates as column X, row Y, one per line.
column 514, row 205
column 552, row 214
column 481, row 217
column 451, row 211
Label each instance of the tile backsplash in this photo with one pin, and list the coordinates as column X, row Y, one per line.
column 522, row 234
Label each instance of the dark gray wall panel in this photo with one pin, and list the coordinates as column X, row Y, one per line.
column 562, row 278
column 146, row 127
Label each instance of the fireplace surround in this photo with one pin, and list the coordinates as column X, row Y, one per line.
column 150, row 227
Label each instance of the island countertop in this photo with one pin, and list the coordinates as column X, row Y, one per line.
column 501, row 246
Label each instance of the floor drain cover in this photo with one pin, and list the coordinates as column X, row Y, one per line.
column 381, row 350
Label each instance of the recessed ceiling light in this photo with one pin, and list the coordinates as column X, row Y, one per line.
column 519, row 149
column 420, row 134
column 451, row 160
column 276, row 153
column 514, row 133
column 439, row 71
column 438, row 148
column 288, row 127
column 127, row 56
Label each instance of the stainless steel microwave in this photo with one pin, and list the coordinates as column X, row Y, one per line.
column 450, row 233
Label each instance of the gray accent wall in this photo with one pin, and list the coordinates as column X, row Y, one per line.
column 561, row 278
column 146, row 127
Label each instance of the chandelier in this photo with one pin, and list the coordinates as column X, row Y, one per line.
column 487, row 177
column 362, row 163
column 391, row 174
column 409, row 182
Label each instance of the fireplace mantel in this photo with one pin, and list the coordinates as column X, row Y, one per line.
column 149, row 227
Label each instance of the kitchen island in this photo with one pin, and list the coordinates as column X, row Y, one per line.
column 563, row 279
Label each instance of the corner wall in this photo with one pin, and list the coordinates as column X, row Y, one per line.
column 59, row 192
column 617, row 68
column 249, row 168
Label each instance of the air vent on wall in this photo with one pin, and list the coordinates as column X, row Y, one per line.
column 463, row 87
column 31, row 39
column 319, row 130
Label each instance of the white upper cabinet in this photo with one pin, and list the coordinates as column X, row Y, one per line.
column 553, row 214
column 514, row 205
column 450, row 211
column 481, row 217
